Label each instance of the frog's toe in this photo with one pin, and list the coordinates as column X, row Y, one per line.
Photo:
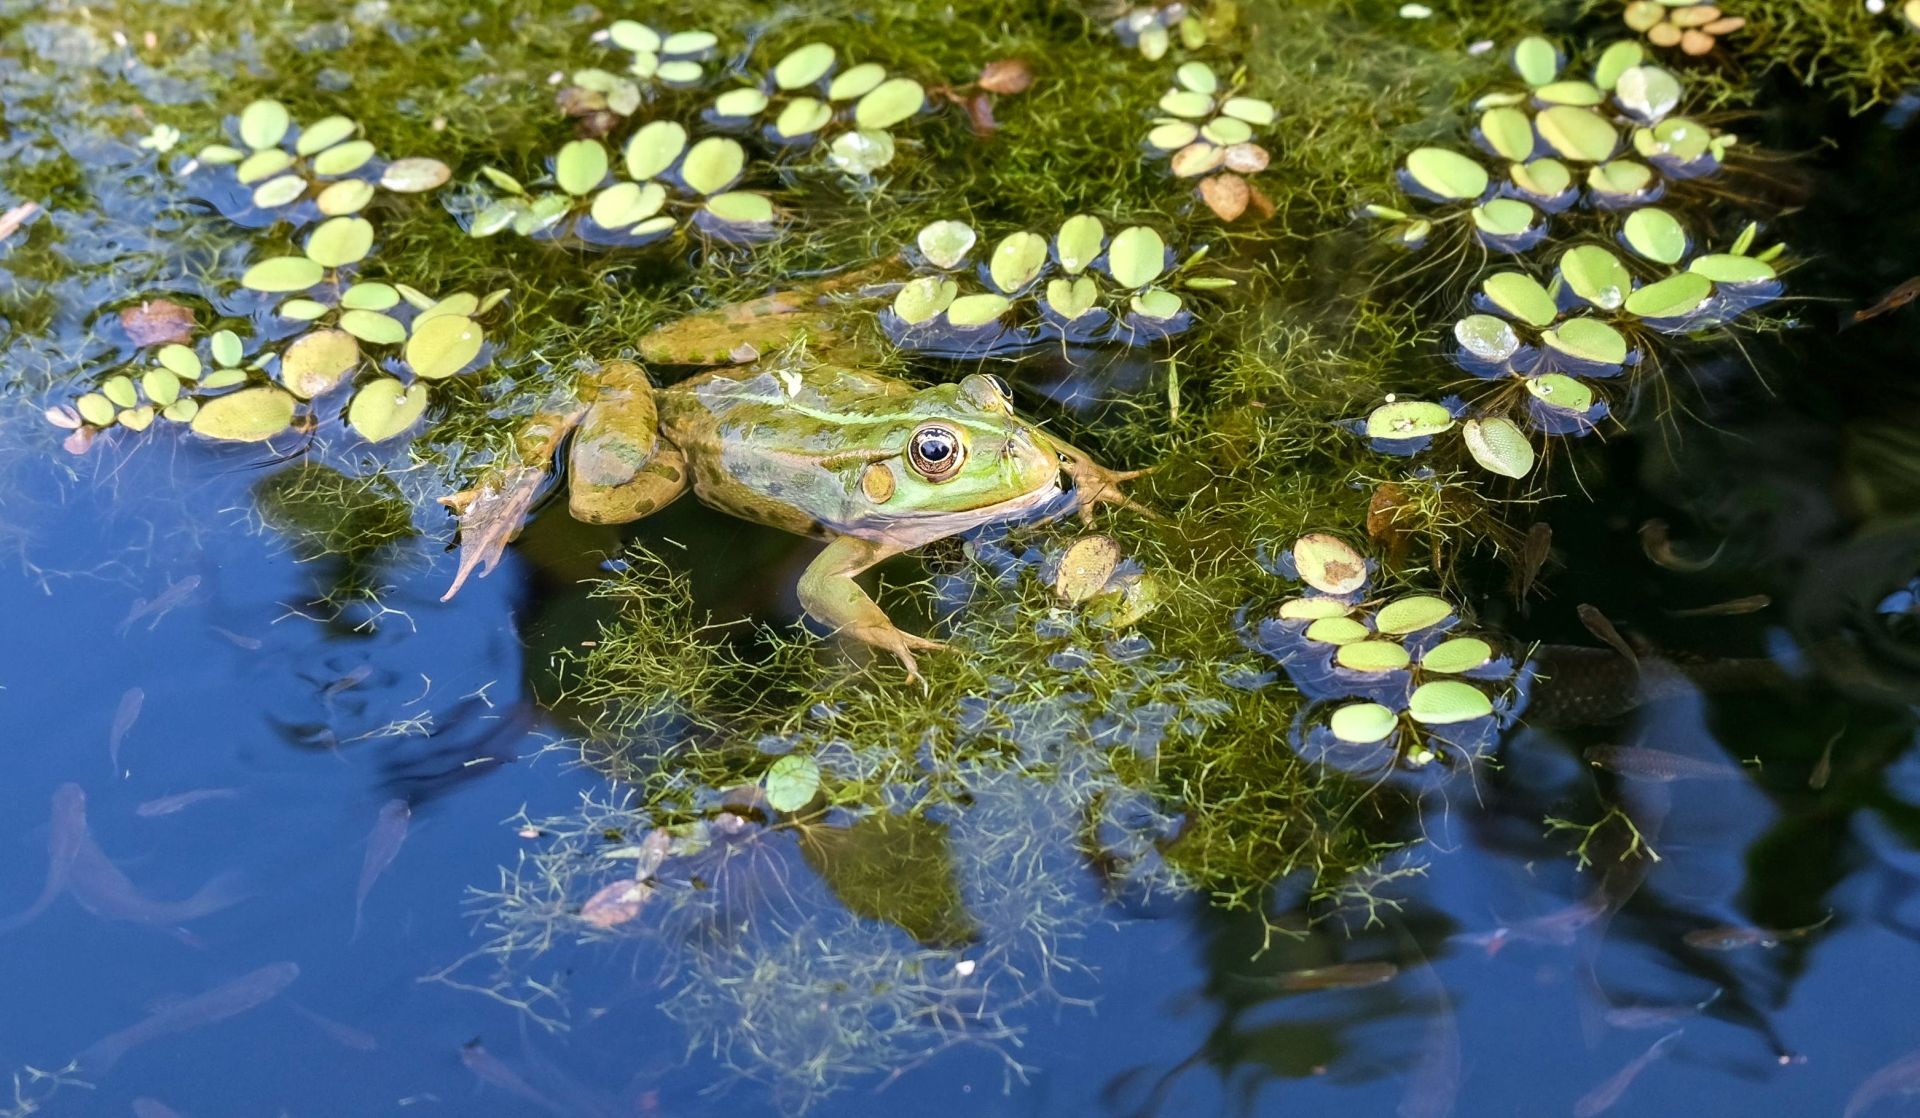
column 903, row 645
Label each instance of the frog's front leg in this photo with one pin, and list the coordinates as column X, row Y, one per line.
column 620, row 468
column 829, row 594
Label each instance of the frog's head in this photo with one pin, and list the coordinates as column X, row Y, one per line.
column 965, row 459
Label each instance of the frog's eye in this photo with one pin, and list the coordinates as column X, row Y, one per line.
column 936, row 450
column 1000, row 382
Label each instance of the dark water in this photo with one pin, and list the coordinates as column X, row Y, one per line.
column 309, row 725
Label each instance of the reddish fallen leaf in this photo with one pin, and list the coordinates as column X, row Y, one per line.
column 80, row 441
column 1226, row 195
column 617, row 903
column 980, row 110
column 1260, row 202
column 14, row 218
column 64, row 417
column 1006, row 75
column 158, row 322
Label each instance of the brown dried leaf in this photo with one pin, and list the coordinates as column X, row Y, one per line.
column 80, row 441
column 1696, row 42
column 980, row 111
column 1006, row 75
column 1248, row 159
column 1383, row 520
column 616, row 904
column 1226, row 195
column 1261, row 204
column 1663, row 35
column 1725, row 26
column 576, row 101
column 158, row 322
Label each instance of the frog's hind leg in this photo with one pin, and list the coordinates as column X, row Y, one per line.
column 829, row 594
column 620, row 468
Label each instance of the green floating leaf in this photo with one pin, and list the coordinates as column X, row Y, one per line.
column 1198, row 77
column 1250, row 110
column 688, row 42
column 712, row 165
column 1078, row 242
column 889, row 103
column 792, row 783
column 921, row 299
column 184, row 363
column 280, row 274
column 443, row 345
column 1730, row 268
column 96, row 409
column 373, row 327
column 1362, row 723
column 1487, row 337
column 1017, row 260
column 1447, row 174
column 1136, row 257
column 262, row 165
column 1372, row 656
column 1071, row 298
column 1337, row 630
column 218, row 154
column 323, row 134
column 977, row 310
column 626, row 204
column 1412, row 614
column 856, row 82
column 580, row 167
column 227, row 352
column 1156, row 303
column 182, row 410
column 1521, row 297
column 503, row 181
column 945, row 243
column 1186, row 103
column 250, row 415
column 678, row 73
column 1499, row 446
column 1535, row 60
column 263, row 124
column 383, row 408
column 1647, row 92
column 137, row 418
column 343, row 159
column 120, row 390
column 318, row 362
column 803, row 116
column 1461, row 654
column 348, row 196
column 1616, row 60
column 1407, row 419
column 303, row 310
column 633, row 36
column 1578, row 134
column 1557, row 390
column 1620, row 178
column 543, row 212
column 1656, row 235
column 1543, row 178
column 1678, row 294
column 741, row 207
column 1226, row 131
column 1584, row 94
column 340, row 241
column 369, row 297
column 1503, row 217
column 803, row 66
column 415, row 174
column 740, row 103
column 279, row 191
column 1588, row 339
column 223, row 378
column 654, row 148
column 1445, row 701
column 1311, row 609
column 1596, row 275
column 462, row 304
column 1172, row 135
column 861, row 152
column 1509, row 132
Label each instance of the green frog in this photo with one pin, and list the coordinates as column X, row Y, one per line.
column 873, row 465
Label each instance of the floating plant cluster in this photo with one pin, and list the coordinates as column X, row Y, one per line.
column 1406, row 693
column 660, row 177
column 1152, row 29
column 1695, row 26
column 1080, row 286
column 279, row 172
column 1543, row 345
column 1207, row 132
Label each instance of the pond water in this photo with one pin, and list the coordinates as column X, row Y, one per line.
column 290, row 834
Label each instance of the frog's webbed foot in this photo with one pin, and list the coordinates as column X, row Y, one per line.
column 1094, row 484
column 829, row 594
column 490, row 517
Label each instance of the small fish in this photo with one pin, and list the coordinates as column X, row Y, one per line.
column 1659, row 549
column 249, row 991
column 1339, row 976
column 1638, row 763
column 1733, row 937
column 1557, row 929
column 347, row 682
column 489, row 1070
column 1901, row 1077
column 345, row 1035
column 180, row 801
column 144, row 1107
column 1823, row 768
column 123, row 720
column 67, row 832
column 1656, row 1016
column 383, row 845
column 1604, row 1096
column 162, row 604
column 1752, row 603
column 1902, row 294
column 251, row 644
column 1597, row 624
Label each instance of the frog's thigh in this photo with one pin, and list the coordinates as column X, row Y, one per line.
column 829, row 594
column 620, row 469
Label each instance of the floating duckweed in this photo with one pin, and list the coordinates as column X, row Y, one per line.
column 1730, row 268
column 741, row 207
column 1086, row 568
column 1248, row 110
column 1570, row 92
column 580, row 167
column 137, row 418
column 654, row 148
column 712, row 165
column 1562, row 392
column 803, row 116
column 1581, row 135
column 1545, row 177
column 1225, row 132
column 1446, row 174
column 318, row 362
column 1616, row 60
column 1588, row 339
column 1310, row 609
column 1499, row 446
column 1155, row 302
column 323, row 134
column 226, row 349
column 340, row 241
column 856, row 81
column 861, row 152
column 1521, row 296
column 1460, row 654
column 1362, row 723
column 1136, row 257
column 1620, row 178
column 792, row 782
column 1410, row 615
column 740, row 103
column 1185, row 103
column 1078, row 243
column 1503, row 217
column 280, row 191
column 1535, row 60
column 348, row 196
column 1329, row 564
column 343, row 159
column 1372, row 656
column 282, row 274
column 889, row 103
column 263, row 124
column 945, row 243
column 160, row 386
column 1446, row 701
column 262, row 165
column 184, row 363
column 383, row 408
column 442, row 345
column 373, row 327
column 96, row 409
column 249, row 415
column 1509, row 132
column 415, row 175
column 1073, row 298
column 1486, row 337
column 303, row 310
column 119, row 389
column 803, row 66
column 1337, row 630
column 1017, row 260
column 1408, row 419
column 1647, row 92
column 978, row 309
column 1173, row 135
column 1676, row 295
column 1656, row 235
column 625, row 204
column 1596, row 275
